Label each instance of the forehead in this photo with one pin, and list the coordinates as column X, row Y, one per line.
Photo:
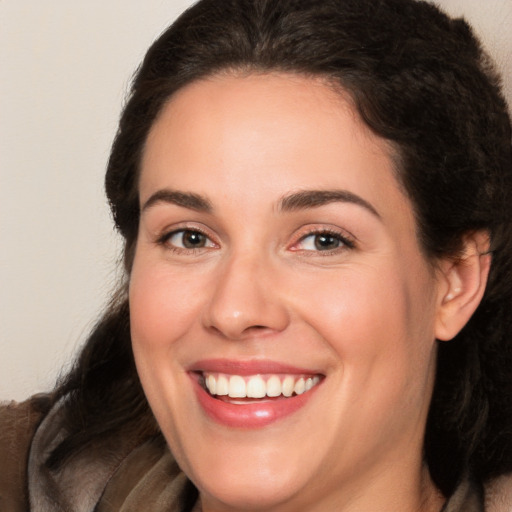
column 267, row 134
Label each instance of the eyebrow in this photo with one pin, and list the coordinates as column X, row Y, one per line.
column 296, row 201
column 184, row 199
column 316, row 198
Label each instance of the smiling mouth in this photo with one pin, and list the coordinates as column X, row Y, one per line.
column 250, row 388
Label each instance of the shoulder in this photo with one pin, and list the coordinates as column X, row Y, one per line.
column 498, row 494
column 18, row 422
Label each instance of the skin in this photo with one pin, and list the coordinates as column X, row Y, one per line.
column 364, row 314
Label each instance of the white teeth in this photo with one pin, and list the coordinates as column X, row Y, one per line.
column 255, row 386
column 222, row 387
column 288, row 384
column 211, row 384
column 300, row 387
column 274, row 386
column 237, row 387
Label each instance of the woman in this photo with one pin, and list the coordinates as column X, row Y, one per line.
column 315, row 201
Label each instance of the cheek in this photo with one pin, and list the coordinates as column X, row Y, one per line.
column 162, row 306
column 372, row 317
column 162, row 303
column 375, row 322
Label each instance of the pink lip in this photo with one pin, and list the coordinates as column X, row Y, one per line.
column 251, row 415
column 252, row 367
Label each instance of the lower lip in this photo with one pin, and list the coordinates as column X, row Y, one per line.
column 250, row 415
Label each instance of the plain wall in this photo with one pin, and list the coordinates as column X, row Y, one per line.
column 65, row 66
column 64, row 69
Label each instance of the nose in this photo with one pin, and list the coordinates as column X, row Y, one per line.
column 246, row 299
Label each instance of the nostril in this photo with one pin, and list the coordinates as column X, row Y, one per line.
column 256, row 329
column 243, row 333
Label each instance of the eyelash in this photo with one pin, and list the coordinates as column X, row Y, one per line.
column 345, row 241
column 164, row 240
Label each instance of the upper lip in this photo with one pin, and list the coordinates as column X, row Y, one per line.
column 248, row 367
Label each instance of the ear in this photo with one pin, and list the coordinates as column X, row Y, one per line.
column 462, row 283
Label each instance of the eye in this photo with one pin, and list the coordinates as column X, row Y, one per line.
column 187, row 239
column 323, row 241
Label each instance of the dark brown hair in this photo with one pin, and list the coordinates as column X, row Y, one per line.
column 418, row 79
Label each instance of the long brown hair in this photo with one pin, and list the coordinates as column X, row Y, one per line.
column 418, row 79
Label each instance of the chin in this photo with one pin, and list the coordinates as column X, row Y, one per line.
column 251, row 492
column 247, row 475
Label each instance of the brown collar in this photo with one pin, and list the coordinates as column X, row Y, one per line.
column 121, row 473
column 116, row 473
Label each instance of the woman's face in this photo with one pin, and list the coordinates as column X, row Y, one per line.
column 278, row 252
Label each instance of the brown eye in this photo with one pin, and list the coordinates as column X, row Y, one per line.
column 188, row 239
column 323, row 241
column 193, row 239
column 326, row 241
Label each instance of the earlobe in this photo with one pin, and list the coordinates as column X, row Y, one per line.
column 462, row 285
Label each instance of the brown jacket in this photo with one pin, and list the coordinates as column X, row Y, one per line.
column 121, row 475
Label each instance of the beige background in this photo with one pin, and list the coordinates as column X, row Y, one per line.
column 64, row 68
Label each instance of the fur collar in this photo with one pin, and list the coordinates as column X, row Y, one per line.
column 111, row 476
column 119, row 474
